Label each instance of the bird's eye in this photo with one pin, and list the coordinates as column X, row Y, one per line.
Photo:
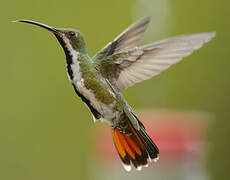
column 71, row 33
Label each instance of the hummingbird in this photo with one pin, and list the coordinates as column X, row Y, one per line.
column 100, row 80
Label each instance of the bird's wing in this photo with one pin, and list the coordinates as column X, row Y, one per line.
column 132, row 66
column 128, row 39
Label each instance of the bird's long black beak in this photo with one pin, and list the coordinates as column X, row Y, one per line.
column 52, row 29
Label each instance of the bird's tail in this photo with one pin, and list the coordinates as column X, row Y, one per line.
column 135, row 148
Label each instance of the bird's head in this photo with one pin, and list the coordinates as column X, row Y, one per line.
column 70, row 39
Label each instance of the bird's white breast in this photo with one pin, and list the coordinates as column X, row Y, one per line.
column 104, row 109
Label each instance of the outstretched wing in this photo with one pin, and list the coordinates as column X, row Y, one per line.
column 132, row 66
column 149, row 60
column 128, row 39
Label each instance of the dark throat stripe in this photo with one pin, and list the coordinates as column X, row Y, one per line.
column 68, row 57
column 95, row 113
column 69, row 61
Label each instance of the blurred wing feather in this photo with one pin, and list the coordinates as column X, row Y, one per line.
column 128, row 39
column 149, row 60
column 132, row 36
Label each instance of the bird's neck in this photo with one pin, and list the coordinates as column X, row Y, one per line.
column 74, row 59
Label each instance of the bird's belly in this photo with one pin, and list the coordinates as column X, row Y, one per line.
column 106, row 110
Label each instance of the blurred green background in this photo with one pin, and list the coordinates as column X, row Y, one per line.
column 46, row 131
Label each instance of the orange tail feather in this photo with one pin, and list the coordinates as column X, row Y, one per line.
column 135, row 148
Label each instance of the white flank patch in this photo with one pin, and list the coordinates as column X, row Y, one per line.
column 139, row 168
